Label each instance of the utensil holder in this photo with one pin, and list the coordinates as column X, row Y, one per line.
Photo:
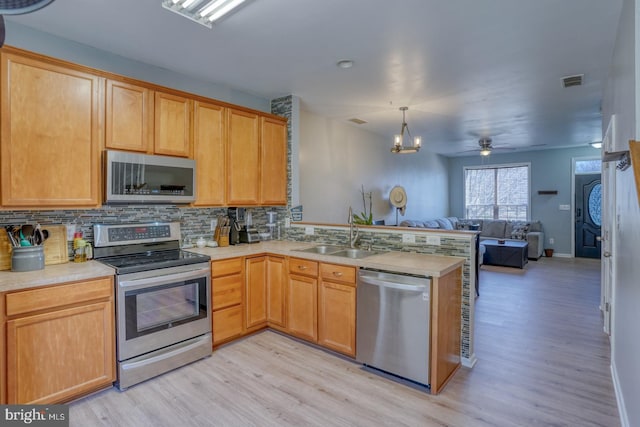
column 27, row 258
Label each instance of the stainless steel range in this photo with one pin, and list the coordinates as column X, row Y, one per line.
column 163, row 298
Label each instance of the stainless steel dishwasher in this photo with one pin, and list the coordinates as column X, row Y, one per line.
column 393, row 313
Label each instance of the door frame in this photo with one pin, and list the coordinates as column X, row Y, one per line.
column 573, row 197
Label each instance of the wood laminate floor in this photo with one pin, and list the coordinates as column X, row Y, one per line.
column 543, row 360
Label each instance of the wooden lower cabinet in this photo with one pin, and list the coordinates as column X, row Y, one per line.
column 302, row 312
column 276, row 291
column 227, row 324
column 227, row 296
column 60, row 343
column 256, row 292
column 337, row 308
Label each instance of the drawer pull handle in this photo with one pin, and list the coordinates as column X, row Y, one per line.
column 337, row 273
column 302, row 267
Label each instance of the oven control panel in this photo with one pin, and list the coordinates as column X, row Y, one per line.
column 139, row 233
column 110, row 235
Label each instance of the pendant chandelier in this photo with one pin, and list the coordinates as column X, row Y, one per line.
column 398, row 140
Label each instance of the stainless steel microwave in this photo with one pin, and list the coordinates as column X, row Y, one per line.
column 142, row 178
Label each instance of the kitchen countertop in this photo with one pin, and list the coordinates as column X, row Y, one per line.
column 53, row 274
column 401, row 262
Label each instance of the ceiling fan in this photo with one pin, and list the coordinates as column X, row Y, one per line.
column 486, row 147
column 18, row 7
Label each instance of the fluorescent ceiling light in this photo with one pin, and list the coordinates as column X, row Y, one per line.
column 204, row 12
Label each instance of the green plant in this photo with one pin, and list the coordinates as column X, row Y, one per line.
column 364, row 218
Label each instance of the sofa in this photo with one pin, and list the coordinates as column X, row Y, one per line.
column 531, row 231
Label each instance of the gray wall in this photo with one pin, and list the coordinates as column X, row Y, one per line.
column 337, row 158
column 550, row 170
column 26, row 38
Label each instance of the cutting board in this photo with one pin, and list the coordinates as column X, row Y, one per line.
column 55, row 247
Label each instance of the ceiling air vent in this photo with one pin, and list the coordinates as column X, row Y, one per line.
column 569, row 81
column 357, row 121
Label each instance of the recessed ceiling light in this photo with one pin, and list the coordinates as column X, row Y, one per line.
column 597, row 144
column 345, row 63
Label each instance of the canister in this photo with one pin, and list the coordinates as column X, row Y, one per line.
column 27, row 258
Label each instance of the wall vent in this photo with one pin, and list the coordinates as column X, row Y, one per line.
column 569, row 81
column 357, row 121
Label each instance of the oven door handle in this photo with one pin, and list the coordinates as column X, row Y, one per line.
column 160, row 280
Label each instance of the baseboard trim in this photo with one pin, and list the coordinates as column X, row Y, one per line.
column 622, row 410
column 559, row 255
column 469, row 362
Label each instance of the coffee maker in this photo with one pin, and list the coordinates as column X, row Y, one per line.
column 236, row 221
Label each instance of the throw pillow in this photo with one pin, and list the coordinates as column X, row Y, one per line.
column 464, row 224
column 520, row 231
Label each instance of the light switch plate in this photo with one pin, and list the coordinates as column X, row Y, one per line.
column 309, row 231
column 408, row 238
column 433, row 240
column 565, row 207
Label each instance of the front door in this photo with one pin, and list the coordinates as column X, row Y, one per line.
column 588, row 215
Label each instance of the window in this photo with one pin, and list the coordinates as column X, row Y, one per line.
column 497, row 192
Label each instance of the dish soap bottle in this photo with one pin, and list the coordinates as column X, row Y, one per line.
column 79, row 248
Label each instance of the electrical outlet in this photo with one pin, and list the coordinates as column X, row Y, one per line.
column 433, row 240
column 309, row 231
column 408, row 238
column 551, row 240
column 214, row 223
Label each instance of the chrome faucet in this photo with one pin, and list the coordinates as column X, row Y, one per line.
column 353, row 230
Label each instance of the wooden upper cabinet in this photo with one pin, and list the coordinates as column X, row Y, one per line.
column 273, row 162
column 243, row 164
column 51, row 134
column 209, row 152
column 172, row 126
column 129, row 117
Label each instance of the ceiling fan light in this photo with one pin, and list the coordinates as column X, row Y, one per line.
column 485, row 152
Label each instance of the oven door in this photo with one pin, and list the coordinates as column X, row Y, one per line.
column 159, row 308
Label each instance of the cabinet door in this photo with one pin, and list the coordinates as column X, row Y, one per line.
column 51, row 135
column 243, row 165
column 56, row 356
column 256, row 292
column 172, row 134
column 129, row 117
column 273, row 162
column 209, row 153
column 227, row 324
column 302, row 310
column 276, row 283
column 337, row 317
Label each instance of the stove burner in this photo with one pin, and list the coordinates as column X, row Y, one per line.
column 152, row 260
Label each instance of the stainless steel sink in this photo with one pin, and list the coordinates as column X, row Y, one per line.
column 322, row 249
column 353, row 253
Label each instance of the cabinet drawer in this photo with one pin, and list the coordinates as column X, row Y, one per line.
column 57, row 296
column 338, row 273
column 227, row 323
column 226, row 267
column 226, row 291
column 303, row 266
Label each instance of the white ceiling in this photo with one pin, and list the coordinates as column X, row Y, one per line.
column 465, row 68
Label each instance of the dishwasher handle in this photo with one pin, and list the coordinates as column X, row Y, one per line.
column 388, row 284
